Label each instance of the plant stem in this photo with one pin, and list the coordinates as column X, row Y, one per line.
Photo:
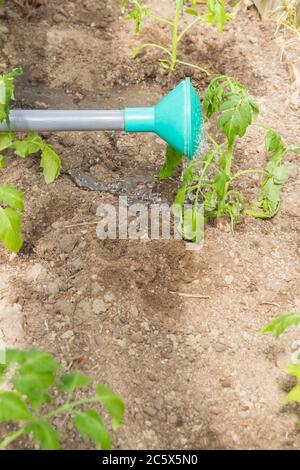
column 193, row 66
column 227, row 171
column 175, row 25
column 193, row 23
column 160, row 19
column 250, row 171
column 150, row 44
column 11, row 437
column 69, row 406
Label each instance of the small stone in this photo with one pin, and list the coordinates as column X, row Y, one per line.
column 4, row 29
column 67, row 335
column 52, row 288
column 228, row 280
column 41, row 105
column 64, row 307
column 76, row 266
column 226, row 382
column 99, row 306
column 36, row 271
column 150, row 411
column 220, row 347
column 67, row 243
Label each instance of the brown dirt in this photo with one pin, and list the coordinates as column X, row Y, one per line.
column 194, row 373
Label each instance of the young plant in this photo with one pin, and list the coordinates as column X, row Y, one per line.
column 277, row 327
column 29, row 380
column 11, row 199
column 209, row 181
column 215, row 14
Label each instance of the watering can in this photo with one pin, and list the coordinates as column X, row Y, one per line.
column 177, row 119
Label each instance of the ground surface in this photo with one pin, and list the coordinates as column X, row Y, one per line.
column 193, row 372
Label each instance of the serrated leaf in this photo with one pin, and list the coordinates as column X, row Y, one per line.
column 10, row 229
column 44, row 434
column 278, row 326
column 70, row 382
column 293, row 369
column 12, row 408
column 293, row 395
column 90, row 426
column 112, row 403
column 172, row 161
column 12, row 197
column 38, row 361
column 33, row 385
column 32, row 144
column 51, row 164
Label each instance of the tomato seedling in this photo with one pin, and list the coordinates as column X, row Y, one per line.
column 11, row 199
column 215, row 14
column 209, row 181
column 28, row 382
column 277, row 327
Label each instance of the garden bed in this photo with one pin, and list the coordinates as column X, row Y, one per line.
column 193, row 372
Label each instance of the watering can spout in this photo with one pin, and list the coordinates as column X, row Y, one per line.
column 177, row 119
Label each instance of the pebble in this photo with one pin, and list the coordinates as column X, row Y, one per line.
column 52, row 288
column 99, row 306
column 226, row 382
column 220, row 347
column 67, row 242
column 64, row 307
column 150, row 411
column 67, row 335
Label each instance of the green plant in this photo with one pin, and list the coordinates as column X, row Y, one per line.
column 215, row 14
column 209, row 181
column 11, row 199
column 28, row 382
column 277, row 327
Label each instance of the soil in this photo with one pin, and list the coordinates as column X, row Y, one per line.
column 193, row 372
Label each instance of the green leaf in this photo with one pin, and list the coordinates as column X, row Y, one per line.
column 231, row 99
column 33, row 385
column 90, row 426
column 2, row 161
column 278, row 326
column 221, row 180
column 295, row 149
column 6, row 140
column 172, row 162
column 293, row 395
column 10, row 229
column 191, row 227
column 51, row 164
column 280, row 174
column 216, row 14
column 192, row 11
column 70, row 382
column 293, row 369
column 38, row 361
column 12, row 197
column 44, row 434
column 32, row 144
column 7, row 93
column 112, row 403
column 138, row 12
column 12, row 408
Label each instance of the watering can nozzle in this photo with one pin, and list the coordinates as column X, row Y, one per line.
column 177, row 119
